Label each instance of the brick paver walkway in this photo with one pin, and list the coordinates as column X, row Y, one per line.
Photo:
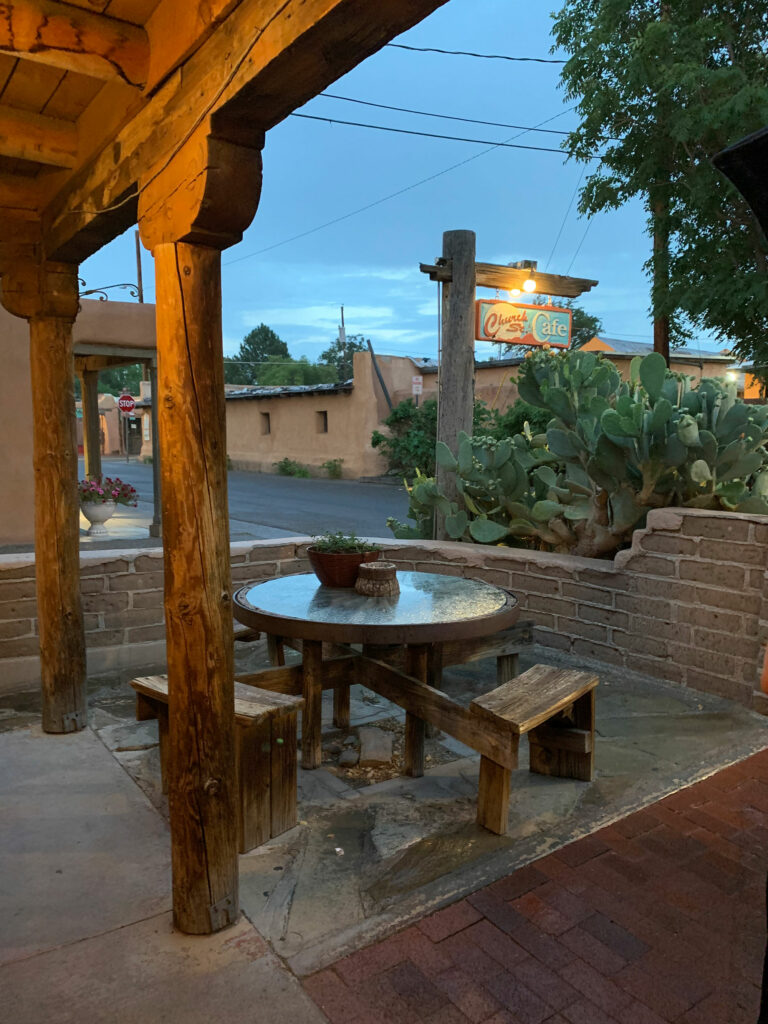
column 657, row 918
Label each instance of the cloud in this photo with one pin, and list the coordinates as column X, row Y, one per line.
column 382, row 273
column 358, row 318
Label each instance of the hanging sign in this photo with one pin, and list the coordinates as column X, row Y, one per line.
column 512, row 323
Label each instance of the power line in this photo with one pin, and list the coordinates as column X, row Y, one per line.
column 384, row 199
column 468, row 53
column 578, row 247
column 445, row 117
column 427, row 135
column 565, row 218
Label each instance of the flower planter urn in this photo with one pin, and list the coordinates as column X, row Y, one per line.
column 338, row 568
column 97, row 513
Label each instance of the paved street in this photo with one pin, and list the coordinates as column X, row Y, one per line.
column 263, row 505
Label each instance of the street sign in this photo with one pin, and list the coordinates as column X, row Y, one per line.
column 126, row 404
column 417, row 385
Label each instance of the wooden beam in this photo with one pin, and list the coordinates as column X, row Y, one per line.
column 491, row 738
column 18, row 196
column 43, row 140
column 91, row 423
column 493, row 275
column 198, row 605
column 249, row 74
column 456, row 373
column 74, row 39
column 46, row 295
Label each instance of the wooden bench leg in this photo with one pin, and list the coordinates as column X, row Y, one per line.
column 147, row 710
column 283, row 773
column 253, row 756
column 493, row 796
column 507, row 667
column 565, row 744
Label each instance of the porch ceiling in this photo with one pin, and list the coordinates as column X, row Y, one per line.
column 97, row 96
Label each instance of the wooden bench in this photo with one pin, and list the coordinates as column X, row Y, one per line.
column 265, row 754
column 556, row 707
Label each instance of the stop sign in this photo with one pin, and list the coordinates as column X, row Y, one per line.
column 126, row 403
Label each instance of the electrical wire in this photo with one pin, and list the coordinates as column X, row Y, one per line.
column 578, row 247
column 565, row 218
column 444, row 117
column 384, row 199
column 468, row 53
column 427, row 135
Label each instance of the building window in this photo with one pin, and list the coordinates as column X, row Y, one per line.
column 321, row 422
column 266, row 426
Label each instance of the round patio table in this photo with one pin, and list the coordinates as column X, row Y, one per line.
column 429, row 610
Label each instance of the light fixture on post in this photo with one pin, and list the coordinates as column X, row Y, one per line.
column 529, row 284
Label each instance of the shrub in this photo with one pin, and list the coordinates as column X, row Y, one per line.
column 287, row 467
column 612, row 450
column 333, row 468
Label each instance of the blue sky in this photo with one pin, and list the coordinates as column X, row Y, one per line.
column 515, row 200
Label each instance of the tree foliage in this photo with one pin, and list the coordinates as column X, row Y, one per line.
column 282, row 372
column 340, row 355
column 113, row 381
column 660, row 89
column 409, row 445
column 258, row 347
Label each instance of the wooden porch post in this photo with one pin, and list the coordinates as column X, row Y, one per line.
column 89, row 382
column 186, row 216
column 46, row 295
column 456, row 381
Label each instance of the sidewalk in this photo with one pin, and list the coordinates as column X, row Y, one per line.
column 657, row 918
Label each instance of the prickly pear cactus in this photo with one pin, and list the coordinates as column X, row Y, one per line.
column 612, row 451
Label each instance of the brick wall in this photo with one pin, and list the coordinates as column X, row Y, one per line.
column 688, row 603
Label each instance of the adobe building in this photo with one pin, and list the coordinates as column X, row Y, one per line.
column 105, row 334
column 313, row 424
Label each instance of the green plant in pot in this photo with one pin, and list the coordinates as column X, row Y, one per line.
column 336, row 557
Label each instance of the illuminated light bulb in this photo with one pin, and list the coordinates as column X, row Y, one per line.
column 514, row 292
column 731, row 376
column 529, row 285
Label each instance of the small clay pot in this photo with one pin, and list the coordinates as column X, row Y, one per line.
column 379, row 579
column 338, row 568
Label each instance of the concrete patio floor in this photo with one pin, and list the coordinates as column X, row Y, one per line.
column 85, row 929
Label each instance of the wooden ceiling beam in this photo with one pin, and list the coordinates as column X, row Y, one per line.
column 75, row 39
column 43, row 140
column 267, row 58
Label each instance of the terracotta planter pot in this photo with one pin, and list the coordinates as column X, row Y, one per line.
column 338, row 568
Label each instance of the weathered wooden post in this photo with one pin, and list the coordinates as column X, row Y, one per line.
column 89, row 385
column 46, row 295
column 456, row 375
column 188, row 212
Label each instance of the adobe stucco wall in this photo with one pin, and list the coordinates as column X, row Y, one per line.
column 688, row 603
column 352, row 416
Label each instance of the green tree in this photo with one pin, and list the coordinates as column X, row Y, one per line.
column 660, row 89
column 257, row 347
column 340, row 354
column 281, row 372
column 113, row 381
